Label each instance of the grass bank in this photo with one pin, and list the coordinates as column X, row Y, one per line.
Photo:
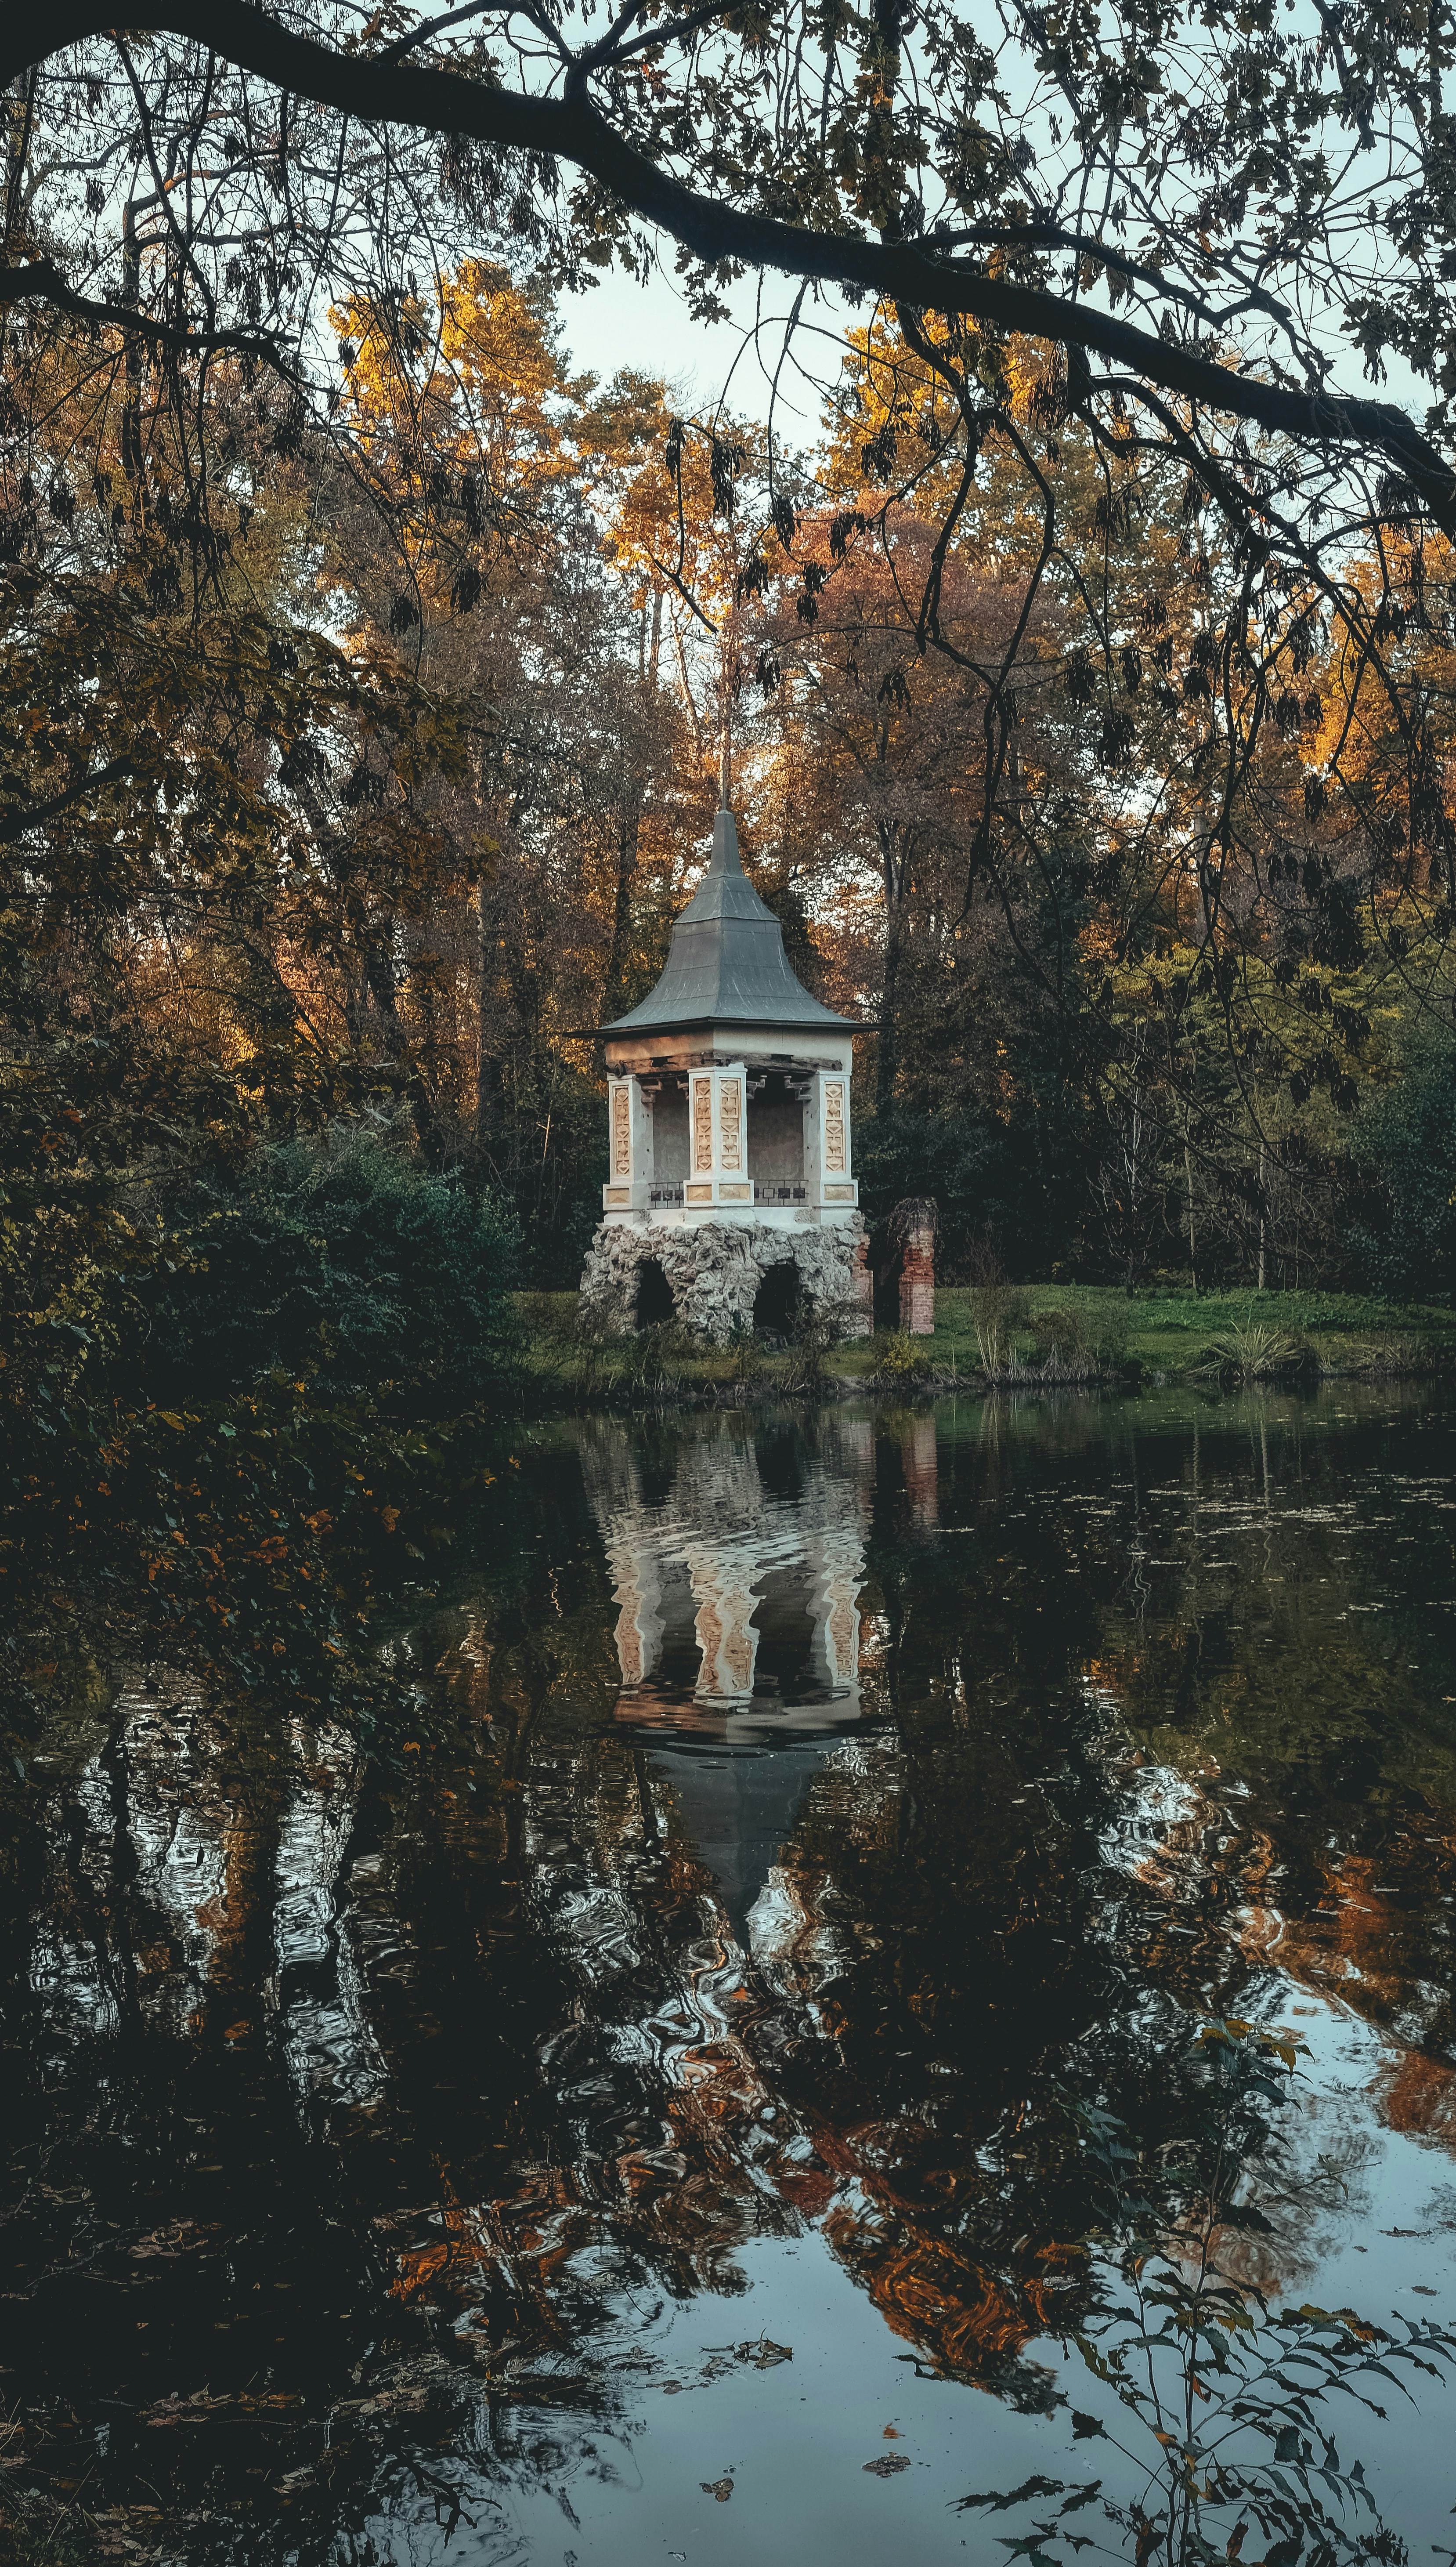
column 1170, row 1331
column 1135, row 1336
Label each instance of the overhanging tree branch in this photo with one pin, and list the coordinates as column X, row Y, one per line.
column 388, row 91
column 39, row 280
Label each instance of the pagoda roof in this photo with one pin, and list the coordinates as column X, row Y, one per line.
column 726, row 964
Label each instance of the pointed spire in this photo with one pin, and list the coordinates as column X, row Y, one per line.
column 727, row 963
column 726, row 780
column 725, row 858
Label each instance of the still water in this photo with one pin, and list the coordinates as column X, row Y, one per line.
column 604, row 2127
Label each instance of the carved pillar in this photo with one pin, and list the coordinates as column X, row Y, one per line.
column 638, row 1589
column 629, row 1147
column 717, row 1138
column 836, row 1566
column 732, row 1115
column 826, row 1140
column 724, row 1588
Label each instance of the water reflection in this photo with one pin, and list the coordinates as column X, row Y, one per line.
column 736, row 1564
column 410, row 2150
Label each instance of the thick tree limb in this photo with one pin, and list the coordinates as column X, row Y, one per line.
column 569, row 128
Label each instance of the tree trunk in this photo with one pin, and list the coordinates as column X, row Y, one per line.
column 693, row 716
column 132, row 298
column 629, row 848
column 895, row 875
column 655, row 650
column 381, row 976
column 17, row 152
column 488, row 1067
column 887, row 1063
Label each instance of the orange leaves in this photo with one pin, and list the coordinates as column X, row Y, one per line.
column 418, row 2267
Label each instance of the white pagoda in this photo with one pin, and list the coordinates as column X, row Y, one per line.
column 731, row 1196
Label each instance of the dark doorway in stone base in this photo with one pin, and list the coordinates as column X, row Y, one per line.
column 654, row 1306
column 779, row 1300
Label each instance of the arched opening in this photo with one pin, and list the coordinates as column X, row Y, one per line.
column 654, row 1306
column 779, row 1300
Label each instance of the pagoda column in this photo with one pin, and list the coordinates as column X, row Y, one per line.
column 826, row 1140
column 629, row 1147
column 717, row 1138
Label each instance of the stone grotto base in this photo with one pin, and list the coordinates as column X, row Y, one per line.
column 713, row 1273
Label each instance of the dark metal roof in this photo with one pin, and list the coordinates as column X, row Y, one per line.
column 726, row 964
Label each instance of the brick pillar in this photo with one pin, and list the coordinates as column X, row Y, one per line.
column 918, row 1460
column 913, row 1229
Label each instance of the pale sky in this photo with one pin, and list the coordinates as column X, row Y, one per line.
column 619, row 323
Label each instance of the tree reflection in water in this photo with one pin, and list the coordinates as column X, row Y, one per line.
column 793, row 1813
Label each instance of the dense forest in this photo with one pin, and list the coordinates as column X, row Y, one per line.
column 366, row 672
column 354, row 775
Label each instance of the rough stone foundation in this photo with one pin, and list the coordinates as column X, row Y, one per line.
column 715, row 1272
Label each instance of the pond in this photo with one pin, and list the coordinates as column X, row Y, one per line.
column 619, row 2124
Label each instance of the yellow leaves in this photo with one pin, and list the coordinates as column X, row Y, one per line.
column 1030, row 370
column 472, row 379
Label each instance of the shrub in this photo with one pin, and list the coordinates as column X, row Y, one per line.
column 900, row 1359
column 1255, row 1353
column 652, row 1359
column 998, row 1313
column 746, row 1353
column 1080, row 1345
column 347, row 1264
column 820, row 1325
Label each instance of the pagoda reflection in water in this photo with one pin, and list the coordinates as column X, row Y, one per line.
column 736, row 1561
column 736, row 1570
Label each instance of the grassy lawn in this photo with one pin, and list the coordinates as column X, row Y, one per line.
column 1168, row 1331
column 1161, row 1332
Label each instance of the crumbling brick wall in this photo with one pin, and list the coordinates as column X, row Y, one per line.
column 912, row 1234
